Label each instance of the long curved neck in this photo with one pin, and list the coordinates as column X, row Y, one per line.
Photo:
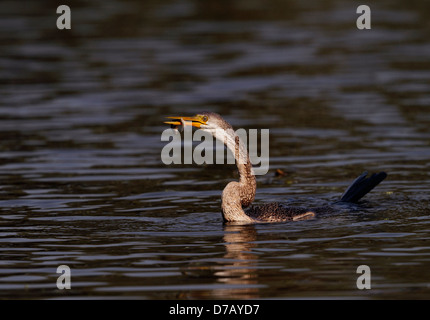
column 247, row 184
column 238, row 195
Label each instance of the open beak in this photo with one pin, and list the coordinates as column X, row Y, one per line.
column 195, row 121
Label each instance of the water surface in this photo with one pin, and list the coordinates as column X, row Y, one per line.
column 82, row 182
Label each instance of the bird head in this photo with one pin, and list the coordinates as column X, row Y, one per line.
column 206, row 121
column 220, row 129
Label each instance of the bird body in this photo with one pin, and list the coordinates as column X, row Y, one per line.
column 237, row 196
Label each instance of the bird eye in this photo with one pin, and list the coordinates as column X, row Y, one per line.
column 205, row 118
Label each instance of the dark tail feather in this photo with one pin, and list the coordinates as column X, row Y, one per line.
column 362, row 186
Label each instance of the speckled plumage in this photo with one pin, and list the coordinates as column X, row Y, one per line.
column 238, row 195
column 275, row 212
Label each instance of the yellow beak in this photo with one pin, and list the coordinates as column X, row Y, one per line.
column 195, row 121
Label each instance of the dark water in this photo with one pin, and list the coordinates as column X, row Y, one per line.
column 82, row 182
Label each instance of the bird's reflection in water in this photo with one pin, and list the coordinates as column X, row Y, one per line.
column 239, row 272
column 232, row 276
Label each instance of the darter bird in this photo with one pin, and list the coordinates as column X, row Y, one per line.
column 237, row 196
